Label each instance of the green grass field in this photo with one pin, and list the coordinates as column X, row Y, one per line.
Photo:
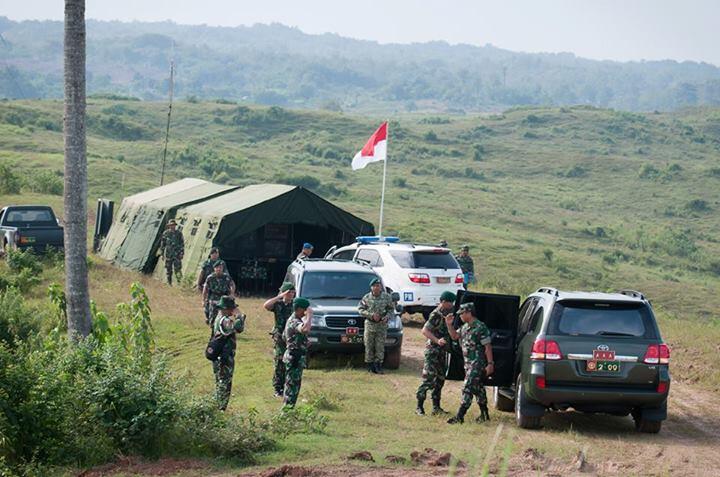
column 575, row 198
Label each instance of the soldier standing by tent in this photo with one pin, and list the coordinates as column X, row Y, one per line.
column 172, row 248
column 228, row 323
column 436, row 348
column 307, row 250
column 282, row 307
column 296, row 334
column 377, row 308
column 475, row 340
column 216, row 286
column 208, row 267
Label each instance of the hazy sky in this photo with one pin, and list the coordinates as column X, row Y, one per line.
column 600, row 29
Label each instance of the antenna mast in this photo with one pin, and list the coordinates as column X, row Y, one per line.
column 167, row 127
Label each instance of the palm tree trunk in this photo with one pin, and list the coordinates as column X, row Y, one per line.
column 76, row 273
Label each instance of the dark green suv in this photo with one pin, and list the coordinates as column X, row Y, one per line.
column 593, row 352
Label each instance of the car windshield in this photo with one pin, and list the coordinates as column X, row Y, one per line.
column 429, row 259
column 348, row 285
column 39, row 216
column 602, row 319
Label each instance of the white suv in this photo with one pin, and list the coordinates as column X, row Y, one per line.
column 419, row 273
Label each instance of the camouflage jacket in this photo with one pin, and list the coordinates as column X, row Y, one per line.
column 382, row 305
column 473, row 338
column 297, row 342
column 207, row 269
column 466, row 263
column 282, row 312
column 217, row 286
column 437, row 326
column 172, row 244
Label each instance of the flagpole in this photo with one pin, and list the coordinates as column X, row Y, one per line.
column 382, row 195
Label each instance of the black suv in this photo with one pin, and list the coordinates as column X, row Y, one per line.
column 335, row 288
column 593, row 352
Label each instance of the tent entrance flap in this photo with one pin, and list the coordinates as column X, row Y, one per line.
column 258, row 260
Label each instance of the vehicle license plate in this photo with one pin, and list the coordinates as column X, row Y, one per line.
column 603, row 366
column 443, row 279
column 351, row 339
column 27, row 239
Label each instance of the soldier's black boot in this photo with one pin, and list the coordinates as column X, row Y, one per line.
column 459, row 418
column 371, row 368
column 484, row 414
column 378, row 368
column 437, row 410
column 420, row 410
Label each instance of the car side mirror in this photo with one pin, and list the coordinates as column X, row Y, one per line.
column 395, row 296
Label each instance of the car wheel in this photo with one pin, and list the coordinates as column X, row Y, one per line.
column 502, row 403
column 647, row 426
column 392, row 358
column 522, row 420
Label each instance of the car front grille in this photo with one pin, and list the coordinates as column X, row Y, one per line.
column 342, row 322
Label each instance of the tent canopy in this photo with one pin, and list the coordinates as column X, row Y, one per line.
column 134, row 237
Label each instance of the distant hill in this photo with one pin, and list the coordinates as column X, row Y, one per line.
column 278, row 65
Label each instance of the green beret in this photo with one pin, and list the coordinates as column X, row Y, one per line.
column 301, row 302
column 218, row 263
column 286, row 286
column 374, row 281
column 467, row 307
column 447, row 296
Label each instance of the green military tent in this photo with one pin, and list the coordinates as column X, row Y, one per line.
column 260, row 229
column 134, row 236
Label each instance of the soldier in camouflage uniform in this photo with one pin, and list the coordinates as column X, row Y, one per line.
column 216, row 285
column 436, row 349
column 208, row 267
column 282, row 307
column 296, row 334
column 475, row 341
column 172, row 248
column 466, row 265
column 228, row 323
column 377, row 308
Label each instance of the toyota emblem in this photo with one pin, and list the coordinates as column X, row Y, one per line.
column 352, row 322
column 603, row 347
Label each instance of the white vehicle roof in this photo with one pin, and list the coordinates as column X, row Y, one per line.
column 624, row 295
column 320, row 264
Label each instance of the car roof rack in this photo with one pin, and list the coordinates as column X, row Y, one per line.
column 548, row 290
column 632, row 293
column 365, row 239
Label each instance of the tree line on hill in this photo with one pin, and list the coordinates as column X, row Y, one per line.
column 278, row 65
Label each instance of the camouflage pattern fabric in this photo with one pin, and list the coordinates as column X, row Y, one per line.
column 218, row 286
column 435, row 365
column 473, row 338
column 282, row 312
column 294, row 359
column 172, row 248
column 224, row 366
column 375, row 332
column 207, row 269
column 466, row 263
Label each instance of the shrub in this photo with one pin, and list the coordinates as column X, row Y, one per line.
column 576, row 171
column 18, row 260
column 697, row 205
column 430, row 136
column 648, row 171
column 9, row 181
column 400, row 182
column 45, row 182
column 309, row 182
column 570, row 204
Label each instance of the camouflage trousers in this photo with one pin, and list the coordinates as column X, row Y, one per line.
column 473, row 386
column 278, row 379
column 374, row 339
column 293, row 378
column 223, row 368
column 433, row 374
column 170, row 264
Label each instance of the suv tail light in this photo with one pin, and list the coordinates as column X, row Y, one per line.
column 419, row 277
column 459, row 278
column 662, row 387
column 657, row 354
column 545, row 349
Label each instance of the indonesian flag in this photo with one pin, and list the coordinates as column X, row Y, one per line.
column 375, row 149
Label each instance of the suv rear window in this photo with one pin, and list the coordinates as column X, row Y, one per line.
column 428, row 259
column 586, row 318
column 348, row 285
column 38, row 217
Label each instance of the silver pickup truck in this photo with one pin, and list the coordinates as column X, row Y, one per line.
column 30, row 226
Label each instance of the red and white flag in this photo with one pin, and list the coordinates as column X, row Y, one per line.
column 375, row 149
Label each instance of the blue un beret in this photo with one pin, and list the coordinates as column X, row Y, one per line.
column 308, row 245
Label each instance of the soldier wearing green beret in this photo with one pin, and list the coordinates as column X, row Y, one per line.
column 377, row 308
column 282, row 307
column 172, row 248
column 436, row 349
column 228, row 323
column 208, row 267
column 296, row 334
column 475, row 340
column 216, row 285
